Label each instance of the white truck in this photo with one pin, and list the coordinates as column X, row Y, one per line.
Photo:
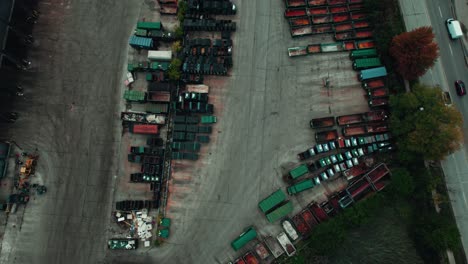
column 273, row 246
column 454, row 28
column 159, row 55
column 286, row 244
column 288, row 227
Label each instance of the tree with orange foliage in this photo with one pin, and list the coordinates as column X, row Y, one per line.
column 415, row 52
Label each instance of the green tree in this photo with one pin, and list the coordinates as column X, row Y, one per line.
column 182, row 8
column 424, row 126
column 176, row 47
column 179, row 32
column 174, row 69
column 402, row 182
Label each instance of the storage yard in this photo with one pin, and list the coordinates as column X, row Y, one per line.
column 256, row 145
column 270, row 124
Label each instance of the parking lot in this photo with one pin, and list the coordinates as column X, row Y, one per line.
column 263, row 110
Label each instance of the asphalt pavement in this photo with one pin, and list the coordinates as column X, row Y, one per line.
column 450, row 66
column 70, row 114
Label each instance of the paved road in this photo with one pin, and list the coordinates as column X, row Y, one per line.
column 70, row 114
column 454, row 65
column 450, row 67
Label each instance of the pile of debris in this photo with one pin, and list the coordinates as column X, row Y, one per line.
column 139, row 224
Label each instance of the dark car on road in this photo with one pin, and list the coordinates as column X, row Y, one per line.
column 460, row 87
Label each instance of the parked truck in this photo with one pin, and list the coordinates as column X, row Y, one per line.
column 298, row 171
column 378, row 93
column 372, row 73
column 322, row 122
column 159, row 55
column 280, row 212
column 301, row 225
column 197, row 88
column 359, row 189
column 372, row 116
column 157, row 108
column 141, row 117
column 274, row 247
column 355, row 171
column 306, row 154
column 327, row 135
column 378, row 173
column 286, row 244
column 309, row 218
column 363, row 53
column 300, row 186
column 366, row 63
column 248, row 235
column 290, row 230
column 272, row 201
column 373, row 84
column 159, row 96
column 144, row 129
column 261, row 251
column 365, row 129
column 318, row 211
column 378, row 102
column 122, row 243
column 250, row 258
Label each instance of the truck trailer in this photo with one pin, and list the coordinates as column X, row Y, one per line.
column 322, row 122
column 325, row 136
column 159, row 55
column 366, row 63
column 372, row 73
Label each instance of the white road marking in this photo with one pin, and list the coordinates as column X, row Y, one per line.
column 440, row 11
column 450, row 48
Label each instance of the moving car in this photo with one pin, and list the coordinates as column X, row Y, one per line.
column 460, row 87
